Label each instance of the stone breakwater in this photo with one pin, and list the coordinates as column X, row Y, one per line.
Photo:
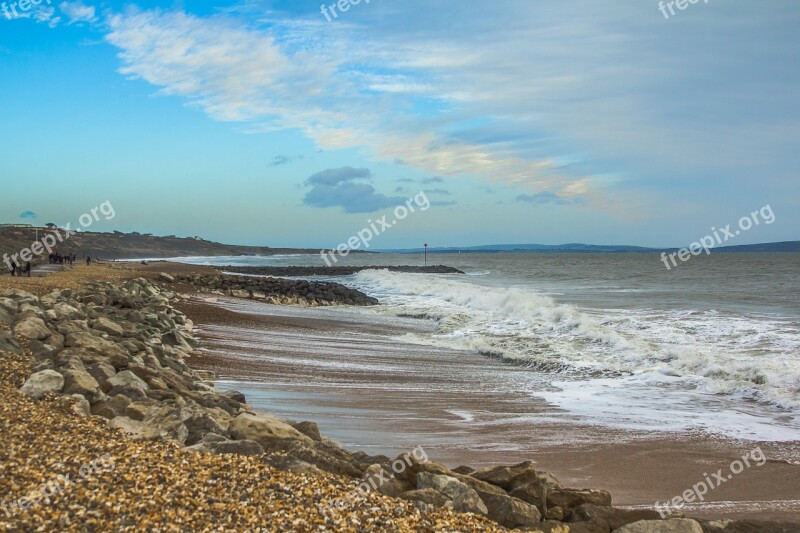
column 119, row 352
column 300, row 271
column 275, row 290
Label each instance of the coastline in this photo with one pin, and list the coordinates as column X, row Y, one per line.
column 222, row 421
column 415, row 408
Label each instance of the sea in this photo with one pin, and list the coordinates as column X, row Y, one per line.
column 616, row 340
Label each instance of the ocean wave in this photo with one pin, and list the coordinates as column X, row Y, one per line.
column 745, row 358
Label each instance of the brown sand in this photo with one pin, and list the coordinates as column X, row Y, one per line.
column 294, row 364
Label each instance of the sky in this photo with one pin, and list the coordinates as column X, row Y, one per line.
column 521, row 121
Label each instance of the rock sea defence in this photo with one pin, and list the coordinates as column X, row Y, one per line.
column 275, row 290
column 120, row 351
column 300, row 271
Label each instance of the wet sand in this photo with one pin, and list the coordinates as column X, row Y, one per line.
column 377, row 394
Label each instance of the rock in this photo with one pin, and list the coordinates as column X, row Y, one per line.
column 96, row 349
column 309, row 429
column 615, row 518
column 235, row 396
column 264, row 429
column 133, row 428
column 510, row 512
column 289, row 463
column 8, row 343
column 414, row 466
column 102, row 372
column 199, row 425
column 32, row 328
column 166, row 422
column 384, row 482
column 6, row 316
column 465, row 499
column 163, row 276
column 81, row 405
column 107, row 326
column 427, row 499
column 111, row 407
column 464, row 470
column 533, row 489
column 568, row 499
column 138, row 410
column 213, row 443
column 127, row 379
column 505, row 476
column 64, row 311
column 42, row 383
column 79, row 382
column 673, row 525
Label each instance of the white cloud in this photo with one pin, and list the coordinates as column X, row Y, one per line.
column 510, row 91
column 77, row 12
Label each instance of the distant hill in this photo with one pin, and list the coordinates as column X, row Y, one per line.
column 132, row 245
column 772, row 247
column 788, row 246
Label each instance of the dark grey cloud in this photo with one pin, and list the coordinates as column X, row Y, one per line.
column 27, row 215
column 443, row 204
column 342, row 187
column 545, row 197
column 333, row 176
column 434, row 179
column 444, row 192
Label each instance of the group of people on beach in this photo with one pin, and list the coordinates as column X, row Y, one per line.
column 58, row 259
column 17, row 270
column 55, row 259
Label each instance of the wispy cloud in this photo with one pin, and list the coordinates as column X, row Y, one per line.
column 77, row 12
column 545, row 197
column 289, row 74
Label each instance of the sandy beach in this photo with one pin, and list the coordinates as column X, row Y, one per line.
column 375, row 394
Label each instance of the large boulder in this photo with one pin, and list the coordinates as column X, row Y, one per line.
column 427, row 499
column 96, row 349
column 111, row 407
column 32, row 328
column 78, row 382
column 510, row 512
column 102, row 372
column 615, row 518
column 384, row 481
column 64, row 311
column 465, row 499
column 8, row 343
column 6, row 316
column 568, row 499
column 212, row 443
column 167, row 423
column 42, row 383
column 107, row 326
column 673, row 525
column 506, row 476
column 134, row 429
column 128, row 380
column 264, row 429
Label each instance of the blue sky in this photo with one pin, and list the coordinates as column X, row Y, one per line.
column 262, row 122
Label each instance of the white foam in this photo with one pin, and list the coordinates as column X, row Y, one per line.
column 743, row 368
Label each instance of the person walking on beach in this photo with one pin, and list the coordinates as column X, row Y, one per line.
column 88, row 260
column 28, row 268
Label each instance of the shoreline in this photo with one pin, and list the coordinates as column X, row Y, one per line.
column 637, row 467
column 128, row 362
